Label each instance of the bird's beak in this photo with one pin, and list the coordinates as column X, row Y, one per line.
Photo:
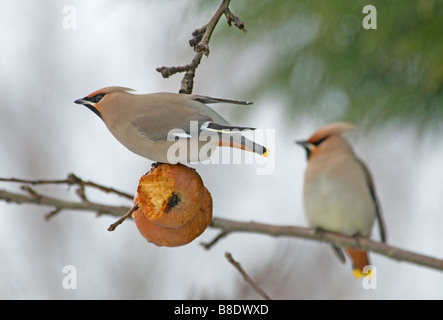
column 89, row 105
column 306, row 145
column 81, row 101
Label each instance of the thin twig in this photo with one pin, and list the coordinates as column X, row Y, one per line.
column 72, row 179
column 124, row 217
column 51, row 213
column 247, row 278
column 200, row 43
column 76, row 179
column 234, row 19
column 43, row 200
column 208, row 245
column 169, row 71
column 31, row 192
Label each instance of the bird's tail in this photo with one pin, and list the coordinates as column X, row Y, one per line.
column 244, row 143
column 359, row 260
column 230, row 136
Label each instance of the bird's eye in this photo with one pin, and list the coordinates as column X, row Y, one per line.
column 97, row 97
column 319, row 142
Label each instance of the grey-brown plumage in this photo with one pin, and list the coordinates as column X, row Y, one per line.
column 156, row 125
column 339, row 193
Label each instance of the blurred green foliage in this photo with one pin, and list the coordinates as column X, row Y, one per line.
column 323, row 60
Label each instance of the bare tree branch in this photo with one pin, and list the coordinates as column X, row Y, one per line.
column 61, row 204
column 229, row 227
column 72, row 179
column 247, row 278
column 200, row 42
column 330, row 237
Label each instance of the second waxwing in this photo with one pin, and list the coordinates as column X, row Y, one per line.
column 339, row 193
column 167, row 127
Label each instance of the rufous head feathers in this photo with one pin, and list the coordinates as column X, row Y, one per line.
column 336, row 128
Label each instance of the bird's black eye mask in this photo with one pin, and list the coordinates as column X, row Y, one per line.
column 90, row 102
column 310, row 145
column 319, row 142
column 97, row 98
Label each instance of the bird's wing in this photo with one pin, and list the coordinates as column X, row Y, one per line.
column 381, row 223
column 205, row 99
column 185, row 115
column 216, row 127
column 163, row 125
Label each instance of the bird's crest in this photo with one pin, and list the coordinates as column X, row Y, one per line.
column 336, row 128
column 109, row 90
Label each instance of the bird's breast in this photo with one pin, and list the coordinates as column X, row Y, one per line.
column 336, row 205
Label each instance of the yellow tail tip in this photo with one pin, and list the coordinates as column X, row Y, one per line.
column 358, row 273
column 266, row 153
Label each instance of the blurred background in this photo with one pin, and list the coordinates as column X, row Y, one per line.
column 304, row 64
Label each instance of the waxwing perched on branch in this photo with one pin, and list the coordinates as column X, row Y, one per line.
column 168, row 127
column 339, row 193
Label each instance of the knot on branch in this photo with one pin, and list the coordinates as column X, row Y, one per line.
column 73, row 179
column 233, row 19
column 197, row 41
column 80, row 191
column 166, row 72
column 197, row 36
column 203, row 48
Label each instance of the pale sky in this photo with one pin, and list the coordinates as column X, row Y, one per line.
column 45, row 66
